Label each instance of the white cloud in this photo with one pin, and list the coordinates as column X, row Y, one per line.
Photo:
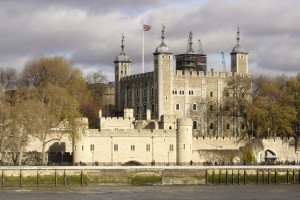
column 89, row 32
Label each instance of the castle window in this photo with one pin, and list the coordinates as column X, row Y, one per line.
column 137, row 110
column 170, row 127
column 175, row 92
column 163, row 56
column 152, row 108
column 92, row 147
column 137, row 93
column 191, row 73
column 132, row 147
column 211, row 107
column 171, row 147
column 194, row 125
column 147, row 147
column 182, row 92
column 211, row 126
column 194, row 106
column 177, row 106
column 243, row 126
column 152, row 91
column 130, row 94
column 145, row 92
column 169, row 57
column 145, row 109
column 211, row 94
column 227, row 126
column 166, row 98
column 82, row 148
column 227, row 108
column 183, row 146
column 116, row 147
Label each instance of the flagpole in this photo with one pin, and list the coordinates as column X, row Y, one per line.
column 143, row 51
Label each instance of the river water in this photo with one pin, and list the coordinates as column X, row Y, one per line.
column 224, row 192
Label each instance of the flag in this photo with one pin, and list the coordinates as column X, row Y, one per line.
column 146, row 27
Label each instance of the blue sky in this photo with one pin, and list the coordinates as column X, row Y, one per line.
column 89, row 32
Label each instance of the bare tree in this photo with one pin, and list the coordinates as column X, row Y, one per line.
column 8, row 78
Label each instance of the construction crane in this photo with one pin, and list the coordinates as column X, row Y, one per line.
column 223, row 62
column 200, row 49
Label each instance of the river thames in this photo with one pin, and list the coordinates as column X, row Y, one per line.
column 223, row 192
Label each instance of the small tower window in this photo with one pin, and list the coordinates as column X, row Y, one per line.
column 243, row 126
column 194, row 106
column 211, row 126
column 177, row 106
column 227, row 126
column 211, row 94
column 227, row 108
column 137, row 93
column 211, row 107
column 194, row 125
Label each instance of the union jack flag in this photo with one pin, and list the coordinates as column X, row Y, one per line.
column 146, row 27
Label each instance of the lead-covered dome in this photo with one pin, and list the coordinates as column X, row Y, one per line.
column 162, row 48
column 122, row 57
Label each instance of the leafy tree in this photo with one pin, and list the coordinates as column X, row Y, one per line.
column 272, row 111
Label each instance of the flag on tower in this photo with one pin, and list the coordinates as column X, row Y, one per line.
column 146, row 27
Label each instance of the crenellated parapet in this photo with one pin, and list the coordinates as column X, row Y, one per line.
column 137, row 76
column 200, row 74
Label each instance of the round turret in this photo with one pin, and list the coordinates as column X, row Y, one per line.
column 122, row 57
column 162, row 48
column 184, row 141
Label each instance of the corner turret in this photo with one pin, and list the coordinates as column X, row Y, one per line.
column 239, row 57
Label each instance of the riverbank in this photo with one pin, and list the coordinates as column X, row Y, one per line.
column 141, row 175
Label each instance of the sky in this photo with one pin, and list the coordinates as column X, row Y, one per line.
column 89, row 32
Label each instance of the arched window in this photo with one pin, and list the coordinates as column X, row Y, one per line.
column 227, row 108
column 211, row 94
column 170, row 127
column 211, row 107
column 227, row 126
column 211, row 126
column 194, row 125
column 194, row 106
column 177, row 106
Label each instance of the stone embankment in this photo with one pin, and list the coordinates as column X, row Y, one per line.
column 155, row 175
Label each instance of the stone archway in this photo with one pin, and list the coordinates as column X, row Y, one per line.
column 132, row 163
column 269, row 152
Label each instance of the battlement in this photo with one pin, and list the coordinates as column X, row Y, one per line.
column 134, row 132
column 179, row 73
column 137, row 76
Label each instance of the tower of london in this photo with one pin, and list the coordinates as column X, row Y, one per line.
column 188, row 92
